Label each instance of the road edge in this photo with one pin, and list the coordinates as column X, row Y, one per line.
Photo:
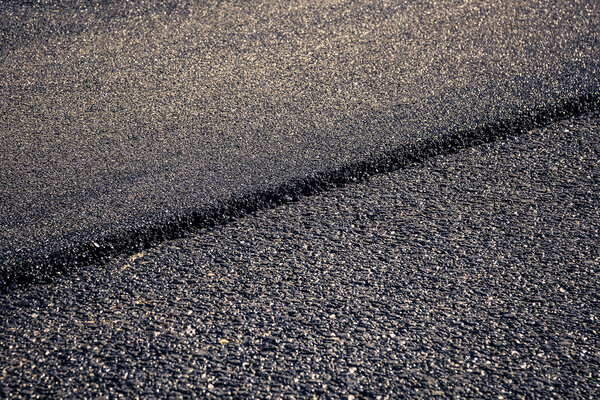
column 26, row 270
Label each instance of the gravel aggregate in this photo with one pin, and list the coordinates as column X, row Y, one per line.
column 472, row 275
column 124, row 123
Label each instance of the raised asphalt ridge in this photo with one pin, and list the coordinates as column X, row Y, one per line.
column 47, row 266
column 124, row 125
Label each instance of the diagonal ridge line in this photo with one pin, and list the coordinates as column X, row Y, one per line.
column 44, row 268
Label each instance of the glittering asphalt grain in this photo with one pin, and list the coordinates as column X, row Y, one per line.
column 118, row 118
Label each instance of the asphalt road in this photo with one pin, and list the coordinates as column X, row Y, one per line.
column 123, row 124
column 456, row 273
column 476, row 274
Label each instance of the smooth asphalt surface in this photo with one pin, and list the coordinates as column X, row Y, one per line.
column 125, row 123
column 472, row 275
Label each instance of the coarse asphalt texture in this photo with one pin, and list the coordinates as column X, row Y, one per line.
column 123, row 124
column 476, row 274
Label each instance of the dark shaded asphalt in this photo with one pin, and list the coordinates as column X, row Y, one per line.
column 471, row 275
column 122, row 124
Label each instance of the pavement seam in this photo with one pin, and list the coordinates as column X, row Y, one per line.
column 45, row 267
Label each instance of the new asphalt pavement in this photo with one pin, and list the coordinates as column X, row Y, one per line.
column 126, row 123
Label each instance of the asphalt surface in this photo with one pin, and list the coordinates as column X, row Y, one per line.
column 476, row 274
column 122, row 124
